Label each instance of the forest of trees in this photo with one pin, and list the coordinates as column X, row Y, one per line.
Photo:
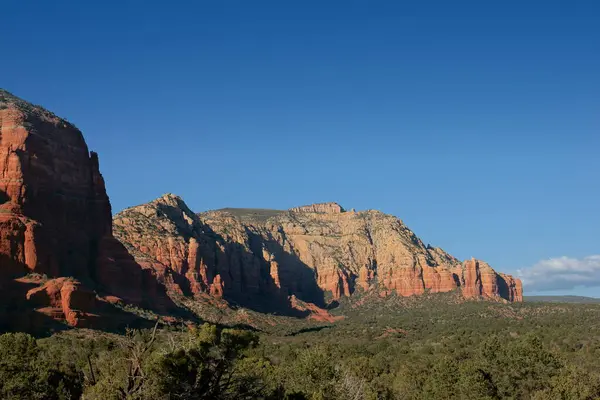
column 432, row 349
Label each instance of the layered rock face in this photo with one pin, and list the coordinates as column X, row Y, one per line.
column 350, row 250
column 481, row 280
column 166, row 236
column 54, row 208
column 235, row 262
column 310, row 252
column 55, row 218
column 326, row 208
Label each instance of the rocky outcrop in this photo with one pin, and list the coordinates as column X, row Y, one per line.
column 64, row 299
column 511, row 288
column 480, row 280
column 313, row 312
column 312, row 252
column 55, row 219
column 326, row 208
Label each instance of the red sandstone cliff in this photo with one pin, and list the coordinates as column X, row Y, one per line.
column 311, row 252
column 54, row 206
column 55, row 219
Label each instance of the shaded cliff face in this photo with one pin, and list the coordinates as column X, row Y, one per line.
column 166, row 236
column 55, row 220
column 54, row 207
column 315, row 253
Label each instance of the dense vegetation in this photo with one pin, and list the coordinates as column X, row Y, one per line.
column 435, row 348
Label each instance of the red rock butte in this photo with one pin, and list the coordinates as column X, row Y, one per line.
column 55, row 221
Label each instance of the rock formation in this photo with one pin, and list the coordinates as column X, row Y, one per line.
column 60, row 260
column 55, row 218
column 326, row 208
column 189, row 257
column 54, row 207
column 481, row 280
column 315, row 253
column 64, row 299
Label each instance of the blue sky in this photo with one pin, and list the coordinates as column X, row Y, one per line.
column 476, row 122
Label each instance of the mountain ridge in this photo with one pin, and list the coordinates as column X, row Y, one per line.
column 273, row 243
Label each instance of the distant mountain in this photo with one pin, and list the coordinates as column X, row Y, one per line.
column 561, row 299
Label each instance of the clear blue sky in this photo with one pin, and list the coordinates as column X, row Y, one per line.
column 476, row 122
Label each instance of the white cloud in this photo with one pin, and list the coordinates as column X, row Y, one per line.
column 562, row 273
